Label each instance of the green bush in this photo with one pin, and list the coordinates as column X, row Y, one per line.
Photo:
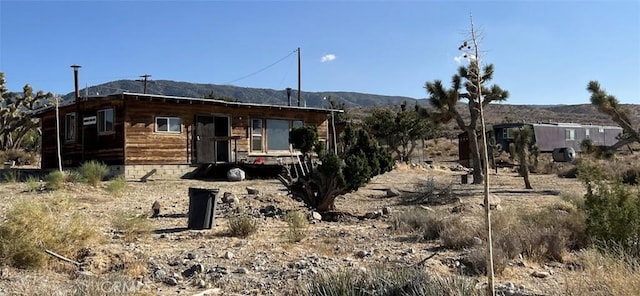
column 406, row 281
column 117, row 186
column 297, row 224
column 242, row 226
column 94, row 172
column 30, row 228
column 73, row 176
column 613, row 214
column 54, row 180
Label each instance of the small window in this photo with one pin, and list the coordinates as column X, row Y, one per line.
column 569, row 134
column 70, row 127
column 105, row 121
column 168, row 125
column 586, row 134
column 256, row 135
column 601, row 130
column 297, row 123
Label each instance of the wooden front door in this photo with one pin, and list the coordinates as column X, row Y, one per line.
column 212, row 139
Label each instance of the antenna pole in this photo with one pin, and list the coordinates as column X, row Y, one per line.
column 298, row 76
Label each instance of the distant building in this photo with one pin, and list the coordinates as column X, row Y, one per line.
column 549, row 136
column 546, row 136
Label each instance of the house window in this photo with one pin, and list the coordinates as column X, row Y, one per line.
column 268, row 135
column 168, row 125
column 586, row 134
column 569, row 134
column 105, row 121
column 507, row 133
column 70, row 127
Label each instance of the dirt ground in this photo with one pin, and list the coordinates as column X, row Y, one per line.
column 267, row 263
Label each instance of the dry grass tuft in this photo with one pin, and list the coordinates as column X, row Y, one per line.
column 131, row 225
column 297, row 226
column 33, row 227
column 458, row 234
column 242, row 226
column 418, row 220
column 117, row 186
column 604, row 274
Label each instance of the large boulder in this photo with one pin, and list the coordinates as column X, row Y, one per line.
column 235, row 175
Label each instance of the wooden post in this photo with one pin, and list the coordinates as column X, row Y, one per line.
column 58, row 135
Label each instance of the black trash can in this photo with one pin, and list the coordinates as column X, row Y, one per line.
column 202, row 208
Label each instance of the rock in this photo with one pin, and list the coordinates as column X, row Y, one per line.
column 155, row 209
column 174, row 263
column 316, row 216
column 362, row 269
column 540, row 274
column 362, row 254
column 159, row 274
column 187, row 273
column 393, row 192
column 373, row 215
column 200, row 283
column 228, row 255
column 477, row 241
column 171, row 281
column 191, row 256
column 386, row 211
column 235, row 175
column 229, row 198
column 252, row 191
column 271, row 211
column 242, row 270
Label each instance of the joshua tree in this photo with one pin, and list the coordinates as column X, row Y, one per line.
column 609, row 105
column 522, row 142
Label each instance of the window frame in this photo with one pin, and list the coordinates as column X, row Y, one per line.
column 102, row 121
column 168, row 130
column 70, row 136
column 569, row 134
column 264, row 149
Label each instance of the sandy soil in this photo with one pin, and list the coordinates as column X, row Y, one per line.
column 266, row 263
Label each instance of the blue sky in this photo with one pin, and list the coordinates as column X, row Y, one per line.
column 544, row 52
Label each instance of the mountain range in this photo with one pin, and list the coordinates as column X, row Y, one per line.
column 357, row 104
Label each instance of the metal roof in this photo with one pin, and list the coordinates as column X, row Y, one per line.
column 190, row 100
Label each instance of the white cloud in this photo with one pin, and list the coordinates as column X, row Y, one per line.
column 328, row 58
column 463, row 57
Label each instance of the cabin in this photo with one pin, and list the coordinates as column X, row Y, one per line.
column 147, row 136
column 549, row 136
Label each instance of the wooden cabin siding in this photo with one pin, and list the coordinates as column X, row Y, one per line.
column 143, row 145
column 134, row 140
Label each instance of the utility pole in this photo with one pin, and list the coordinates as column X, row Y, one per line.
column 299, row 76
column 144, row 81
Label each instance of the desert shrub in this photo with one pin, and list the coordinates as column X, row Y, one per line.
column 297, row 226
column 131, row 225
column 430, row 193
column 54, row 180
column 477, row 260
column 94, row 172
column 613, row 214
column 242, row 226
column 11, row 176
column 417, row 220
column 73, row 176
column 117, row 186
column 30, row 228
column 604, row 273
column 457, row 234
column 631, row 176
column 409, row 281
column 541, row 235
column 19, row 156
column 33, row 183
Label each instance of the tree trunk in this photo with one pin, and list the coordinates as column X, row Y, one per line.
column 478, row 175
column 524, row 168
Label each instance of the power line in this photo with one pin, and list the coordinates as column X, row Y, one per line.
column 265, row 68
